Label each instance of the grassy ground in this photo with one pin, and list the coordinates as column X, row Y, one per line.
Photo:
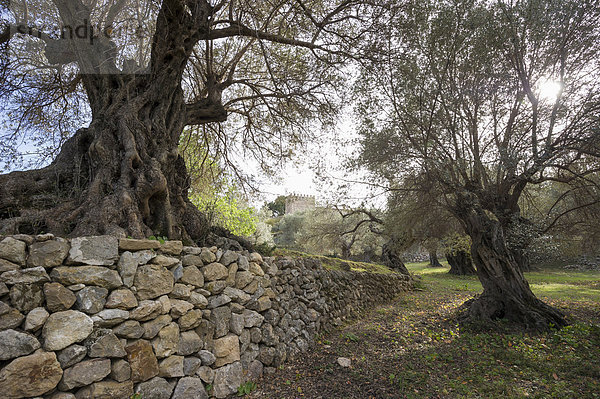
column 413, row 348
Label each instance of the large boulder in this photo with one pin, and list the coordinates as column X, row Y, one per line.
column 30, row 376
column 65, row 328
column 87, row 275
column 98, row 250
column 15, row 344
column 153, row 281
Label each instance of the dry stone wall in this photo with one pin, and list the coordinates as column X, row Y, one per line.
column 101, row 317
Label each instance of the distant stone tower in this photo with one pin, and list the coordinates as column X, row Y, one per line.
column 298, row 203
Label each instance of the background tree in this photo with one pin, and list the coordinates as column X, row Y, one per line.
column 264, row 67
column 458, row 254
column 277, row 206
column 480, row 100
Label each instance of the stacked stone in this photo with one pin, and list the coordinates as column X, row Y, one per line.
column 101, row 317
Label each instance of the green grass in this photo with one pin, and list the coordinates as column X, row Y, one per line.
column 336, row 263
column 552, row 283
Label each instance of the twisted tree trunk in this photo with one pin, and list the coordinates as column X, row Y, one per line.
column 460, row 263
column 506, row 293
column 122, row 175
column 433, row 259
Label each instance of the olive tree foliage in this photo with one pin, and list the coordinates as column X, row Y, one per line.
column 108, row 107
column 462, row 109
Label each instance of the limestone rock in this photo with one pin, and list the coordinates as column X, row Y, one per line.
column 252, row 318
column 156, row 388
column 191, row 365
column 30, row 376
column 121, row 299
column 9, row 317
column 104, row 343
column 58, row 298
column 198, row 300
column 48, row 253
column 192, row 275
column 35, row 319
column 106, row 390
column 15, row 344
column 243, row 263
column 153, row 281
column 171, row 367
column 130, row 329
column 152, row 327
column 231, row 272
column 129, row 262
column 65, row 328
column 207, row 256
column 171, row 247
column 216, row 301
column 228, row 257
column 191, row 260
column 120, row 370
column 206, row 374
column 26, row 297
column 179, row 307
column 207, row 357
column 220, row 317
column 190, row 320
column 142, row 361
column 227, row 380
column 261, row 304
column 255, row 370
column 242, row 279
column 190, row 387
column 215, row 271
column 26, row 276
column 87, row 275
column 256, row 269
column 164, row 261
column 91, row 299
column 6, row 266
column 13, row 250
column 147, row 310
column 71, row 355
column 167, row 341
column 236, row 295
column 189, row 342
column 226, row 349
column 181, row 291
column 236, row 324
column 3, row 289
column 95, row 250
column 84, row 373
column 110, row 317
column 130, row 244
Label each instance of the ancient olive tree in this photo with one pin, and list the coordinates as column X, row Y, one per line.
column 129, row 76
column 479, row 100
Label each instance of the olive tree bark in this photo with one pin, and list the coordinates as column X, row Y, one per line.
column 506, row 293
column 433, row 259
column 122, row 175
column 460, row 263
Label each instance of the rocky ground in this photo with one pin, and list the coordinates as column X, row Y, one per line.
column 413, row 348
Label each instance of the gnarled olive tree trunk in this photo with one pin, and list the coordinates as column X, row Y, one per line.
column 433, row 259
column 460, row 263
column 121, row 175
column 506, row 293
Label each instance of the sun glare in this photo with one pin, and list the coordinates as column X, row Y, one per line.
column 549, row 90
